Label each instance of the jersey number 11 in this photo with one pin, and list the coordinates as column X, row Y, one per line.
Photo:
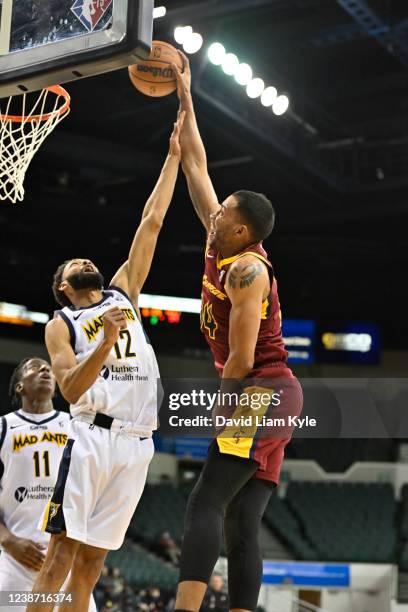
column 37, row 466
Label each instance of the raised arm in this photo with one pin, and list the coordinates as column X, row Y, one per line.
column 133, row 273
column 73, row 378
column 193, row 155
column 246, row 284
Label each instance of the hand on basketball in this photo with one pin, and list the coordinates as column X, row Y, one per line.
column 113, row 322
column 183, row 77
column 27, row 552
column 175, row 148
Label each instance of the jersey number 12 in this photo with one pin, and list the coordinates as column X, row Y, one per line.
column 124, row 334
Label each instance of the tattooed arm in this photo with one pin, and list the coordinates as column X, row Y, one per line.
column 247, row 284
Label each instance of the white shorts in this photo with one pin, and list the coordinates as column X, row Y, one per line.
column 101, row 478
column 16, row 577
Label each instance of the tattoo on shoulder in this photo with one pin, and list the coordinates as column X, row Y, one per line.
column 244, row 277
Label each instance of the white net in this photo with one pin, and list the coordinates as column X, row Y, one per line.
column 22, row 134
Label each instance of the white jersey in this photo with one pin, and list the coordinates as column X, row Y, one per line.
column 31, row 448
column 127, row 385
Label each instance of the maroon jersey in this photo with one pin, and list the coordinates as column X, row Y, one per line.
column 270, row 354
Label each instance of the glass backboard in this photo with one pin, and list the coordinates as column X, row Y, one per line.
column 48, row 42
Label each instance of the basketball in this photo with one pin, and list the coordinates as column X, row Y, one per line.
column 154, row 77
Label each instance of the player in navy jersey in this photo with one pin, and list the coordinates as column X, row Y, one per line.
column 106, row 369
column 241, row 321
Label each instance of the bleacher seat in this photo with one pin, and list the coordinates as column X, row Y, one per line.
column 338, row 455
column 141, row 569
column 283, row 523
column 317, row 521
column 160, row 509
column 346, row 521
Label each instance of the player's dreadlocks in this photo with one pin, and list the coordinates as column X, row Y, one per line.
column 15, row 398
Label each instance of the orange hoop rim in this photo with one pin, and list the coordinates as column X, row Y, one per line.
column 55, row 89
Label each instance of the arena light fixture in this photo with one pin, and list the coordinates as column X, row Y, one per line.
column 170, row 303
column 230, row 63
column 159, row 11
column 216, row 53
column 269, row 96
column 243, row 74
column 19, row 315
column 193, row 43
column 255, row 88
column 281, row 105
column 182, row 34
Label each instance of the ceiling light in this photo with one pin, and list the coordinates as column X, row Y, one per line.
column 216, row 53
column 193, row 43
column 159, row 11
column 243, row 74
column 182, row 34
column 269, row 96
column 230, row 63
column 281, row 105
column 255, row 88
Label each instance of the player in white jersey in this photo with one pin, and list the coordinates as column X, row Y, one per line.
column 107, row 370
column 32, row 438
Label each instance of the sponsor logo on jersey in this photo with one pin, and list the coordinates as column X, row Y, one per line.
column 122, row 373
column 22, row 440
column 35, row 492
column 219, row 294
column 90, row 12
column 127, row 373
column 20, row 494
column 92, row 327
column 105, row 372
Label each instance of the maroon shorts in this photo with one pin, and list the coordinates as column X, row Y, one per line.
column 266, row 444
column 269, row 450
column 269, row 454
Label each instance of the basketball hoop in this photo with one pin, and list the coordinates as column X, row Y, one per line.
column 22, row 134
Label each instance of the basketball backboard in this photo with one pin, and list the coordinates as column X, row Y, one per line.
column 48, row 42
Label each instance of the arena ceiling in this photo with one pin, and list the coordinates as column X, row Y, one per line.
column 336, row 165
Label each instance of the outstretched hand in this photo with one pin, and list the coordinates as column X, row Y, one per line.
column 175, row 148
column 183, row 77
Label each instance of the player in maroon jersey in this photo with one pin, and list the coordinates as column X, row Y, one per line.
column 241, row 321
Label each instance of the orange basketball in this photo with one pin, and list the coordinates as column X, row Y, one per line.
column 154, row 76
